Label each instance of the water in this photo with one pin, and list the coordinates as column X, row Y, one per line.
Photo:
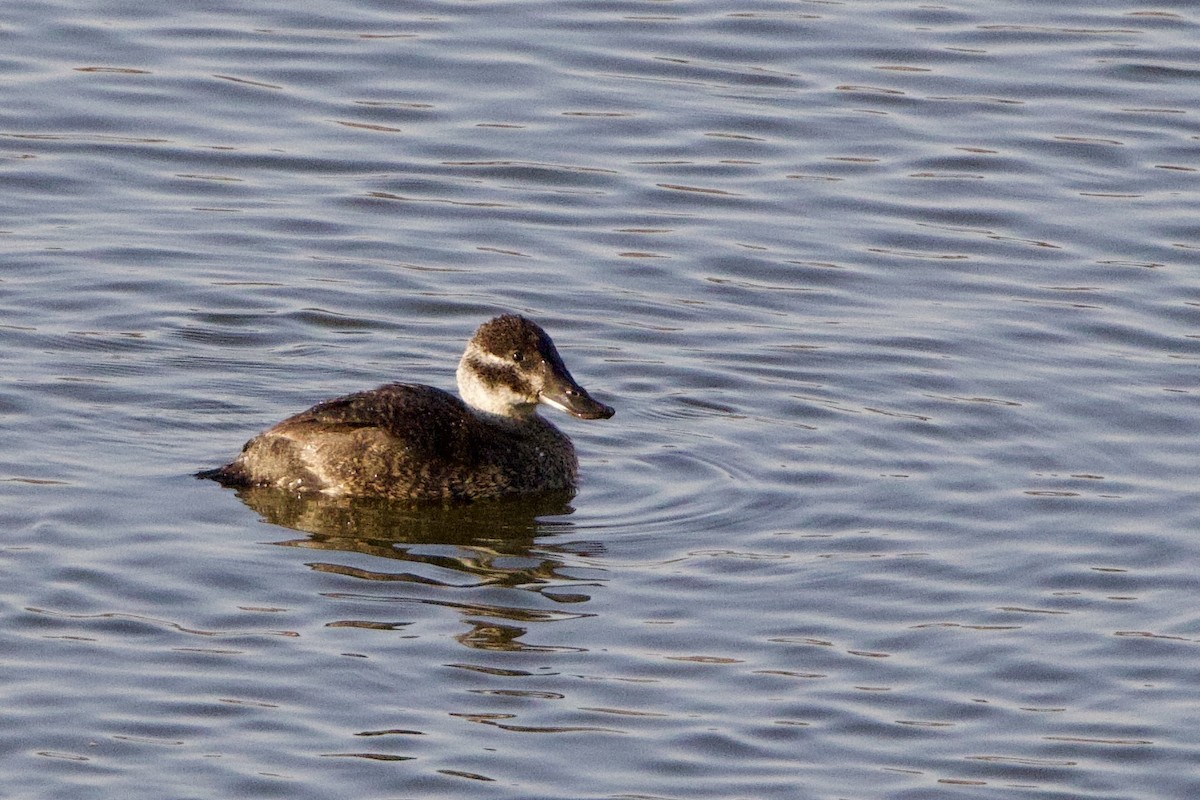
column 898, row 304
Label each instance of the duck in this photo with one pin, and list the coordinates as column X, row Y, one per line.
column 411, row 442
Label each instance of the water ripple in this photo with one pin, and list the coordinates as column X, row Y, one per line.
column 897, row 305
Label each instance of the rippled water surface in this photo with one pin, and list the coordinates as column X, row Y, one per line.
column 898, row 304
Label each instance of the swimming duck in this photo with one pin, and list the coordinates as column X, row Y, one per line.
column 413, row 442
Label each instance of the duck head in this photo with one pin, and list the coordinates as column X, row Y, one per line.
column 510, row 366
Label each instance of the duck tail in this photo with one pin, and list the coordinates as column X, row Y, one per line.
column 228, row 475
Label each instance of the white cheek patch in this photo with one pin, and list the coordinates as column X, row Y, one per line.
column 491, row 398
column 489, row 359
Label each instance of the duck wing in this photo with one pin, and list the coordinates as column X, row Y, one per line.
column 385, row 434
column 423, row 421
column 394, row 407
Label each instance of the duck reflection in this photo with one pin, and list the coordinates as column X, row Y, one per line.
column 485, row 543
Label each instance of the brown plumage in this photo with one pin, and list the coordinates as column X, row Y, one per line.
column 413, row 442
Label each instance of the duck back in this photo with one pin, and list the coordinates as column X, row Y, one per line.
column 405, row 441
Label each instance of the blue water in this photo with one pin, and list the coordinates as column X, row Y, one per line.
column 898, row 304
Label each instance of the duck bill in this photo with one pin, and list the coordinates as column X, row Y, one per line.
column 567, row 395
